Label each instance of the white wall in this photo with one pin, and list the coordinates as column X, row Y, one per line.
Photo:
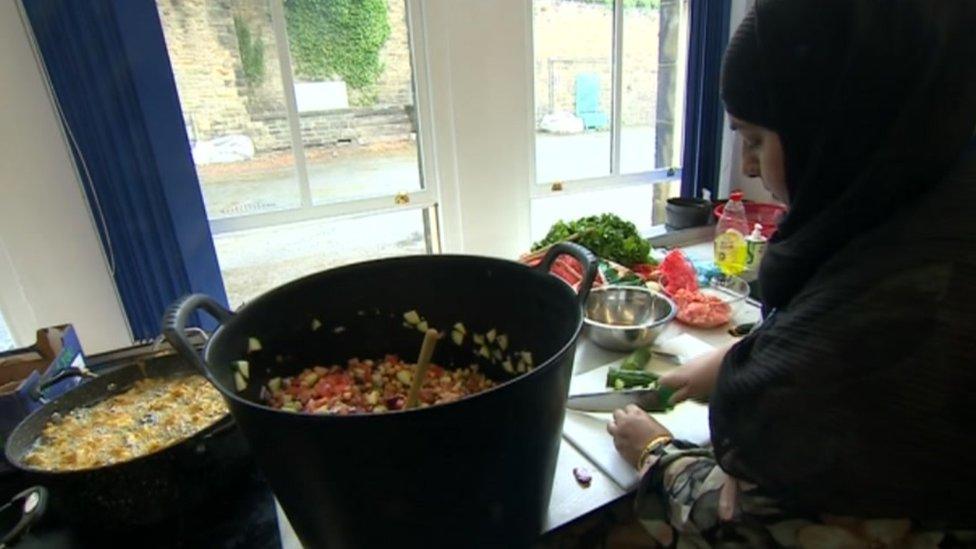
column 52, row 269
column 481, row 87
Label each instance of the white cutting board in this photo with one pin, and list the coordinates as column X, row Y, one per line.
column 588, row 432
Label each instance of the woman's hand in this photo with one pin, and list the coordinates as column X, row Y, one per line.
column 695, row 380
column 632, row 429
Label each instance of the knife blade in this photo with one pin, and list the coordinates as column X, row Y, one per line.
column 649, row 400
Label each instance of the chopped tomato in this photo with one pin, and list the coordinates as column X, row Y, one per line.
column 677, row 273
column 700, row 310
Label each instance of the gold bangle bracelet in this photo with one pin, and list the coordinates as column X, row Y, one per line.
column 650, row 447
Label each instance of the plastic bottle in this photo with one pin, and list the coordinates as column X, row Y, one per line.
column 730, row 236
column 755, row 248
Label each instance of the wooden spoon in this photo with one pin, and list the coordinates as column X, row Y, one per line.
column 426, row 352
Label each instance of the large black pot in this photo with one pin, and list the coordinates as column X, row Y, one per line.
column 145, row 491
column 475, row 472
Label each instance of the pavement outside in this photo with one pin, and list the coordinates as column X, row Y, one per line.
column 257, row 260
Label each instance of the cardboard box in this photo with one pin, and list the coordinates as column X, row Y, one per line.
column 57, row 349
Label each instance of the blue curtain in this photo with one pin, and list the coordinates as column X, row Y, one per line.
column 709, row 31
column 110, row 71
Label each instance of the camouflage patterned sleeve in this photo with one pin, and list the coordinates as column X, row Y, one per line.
column 686, row 499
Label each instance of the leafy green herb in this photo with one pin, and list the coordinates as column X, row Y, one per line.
column 606, row 235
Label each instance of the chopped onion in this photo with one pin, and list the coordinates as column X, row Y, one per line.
column 274, row 384
column 244, row 368
column 411, row 317
column 239, row 382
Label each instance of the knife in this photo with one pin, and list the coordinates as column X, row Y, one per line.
column 649, row 400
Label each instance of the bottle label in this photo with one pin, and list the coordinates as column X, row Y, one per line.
column 730, row 252
column 754, row 253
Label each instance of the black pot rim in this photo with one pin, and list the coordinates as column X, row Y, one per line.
column 690, row 203
column 323, row 418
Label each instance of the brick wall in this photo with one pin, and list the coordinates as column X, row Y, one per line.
column 570, row 37
column 218, row 101
column 365, row 126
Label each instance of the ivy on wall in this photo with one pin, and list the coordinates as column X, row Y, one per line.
column 251, row 49
column 342, row 39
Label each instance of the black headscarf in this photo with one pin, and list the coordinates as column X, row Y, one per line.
column 858, row 396
column 873, row 101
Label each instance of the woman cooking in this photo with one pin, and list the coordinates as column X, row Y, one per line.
column 855, row 400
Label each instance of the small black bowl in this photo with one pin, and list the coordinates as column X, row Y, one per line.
column 683, row 213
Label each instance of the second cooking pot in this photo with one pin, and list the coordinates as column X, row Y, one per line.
column 474, row 472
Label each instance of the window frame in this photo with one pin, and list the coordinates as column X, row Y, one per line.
column 425, row 199
column 616, row 180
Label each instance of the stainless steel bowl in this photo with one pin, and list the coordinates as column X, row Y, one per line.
column 624, row 318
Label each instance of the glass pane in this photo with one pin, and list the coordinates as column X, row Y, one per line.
column 228, row 77
column 634, row 203
column 355, row 96
column 651, row 102
column 573, row 88
column 258, row 260
column 6, row 339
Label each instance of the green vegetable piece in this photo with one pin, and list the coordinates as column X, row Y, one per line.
column 629, row 378
column 618, row 384
column 666, row 393
column 637, row 360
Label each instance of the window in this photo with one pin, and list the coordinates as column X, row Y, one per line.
column 6, row 338
column 609, row 88
column 305, row 130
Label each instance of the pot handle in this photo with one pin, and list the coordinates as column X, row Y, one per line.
column 584, row 256
column 33, row 504
column 48, row 379
column 174, row 325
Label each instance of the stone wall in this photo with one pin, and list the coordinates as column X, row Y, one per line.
column 206, row 64
column 570, row 38
column 217, row 100
column 395, row 85
column 575, row 37
column 336, row 128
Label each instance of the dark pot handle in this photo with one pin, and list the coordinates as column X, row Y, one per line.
column 49, row 379
column 584, row 256
column 32, row 509
column 174, row 325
